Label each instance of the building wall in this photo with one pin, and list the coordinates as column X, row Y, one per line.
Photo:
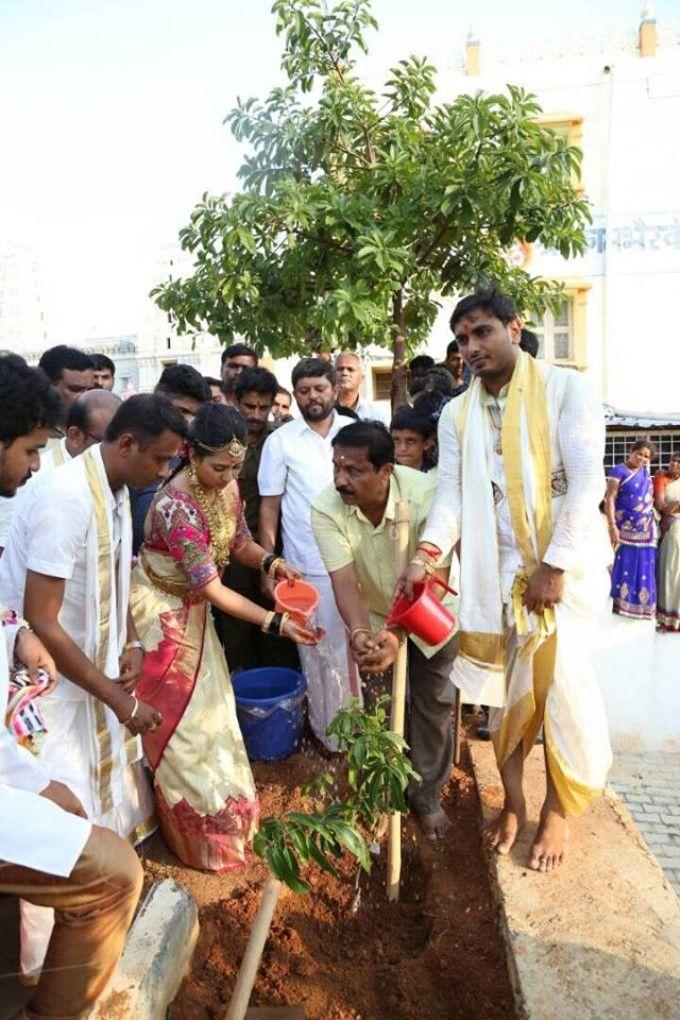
column 623, row 110
column 638, row 674
column 22, row 322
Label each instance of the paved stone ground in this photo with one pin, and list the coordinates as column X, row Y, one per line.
column 648, row 783
column 598, row 938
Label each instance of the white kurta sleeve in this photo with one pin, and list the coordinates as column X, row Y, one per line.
column 56, row 530
column 443, row 521
column 581, row 437
column 272, row 472
column 7, row 506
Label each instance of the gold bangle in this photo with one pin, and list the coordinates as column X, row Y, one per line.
column 427, row 565
column 267, row 622
column 284, row 617
column 274, row 567
column 133, row 713
column 359, row 630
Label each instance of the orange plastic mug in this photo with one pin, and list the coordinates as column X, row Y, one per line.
column 298, row 598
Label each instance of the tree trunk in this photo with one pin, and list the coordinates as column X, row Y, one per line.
column 399, row 367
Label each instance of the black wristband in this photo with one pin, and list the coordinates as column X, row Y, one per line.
column 267, row 562
column 275, row 625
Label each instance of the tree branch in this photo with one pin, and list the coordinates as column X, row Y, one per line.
column 335, row 61
column 327, row 242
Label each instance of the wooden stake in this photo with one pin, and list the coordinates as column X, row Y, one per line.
column 251, row 959
column 458, row 715
column 401, row 534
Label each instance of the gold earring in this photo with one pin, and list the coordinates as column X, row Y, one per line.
column 192, row 472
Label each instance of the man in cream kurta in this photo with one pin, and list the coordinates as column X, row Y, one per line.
column 352, row 521
column 519, row 483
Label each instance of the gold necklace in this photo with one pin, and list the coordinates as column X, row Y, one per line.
column 216, row 513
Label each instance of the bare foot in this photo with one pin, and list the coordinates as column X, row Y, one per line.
column 504, row 830
column 435, row 825
column 549, row 847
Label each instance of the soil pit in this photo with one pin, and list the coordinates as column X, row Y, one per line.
column 437, row 954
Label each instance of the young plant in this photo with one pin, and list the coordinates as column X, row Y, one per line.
column 378, row 773
column 298, row 839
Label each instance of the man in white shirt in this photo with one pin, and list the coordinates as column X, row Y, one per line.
column 49, row 853
column 296, row 464
column 350, row 372
column 67, row 568
column 519, row 482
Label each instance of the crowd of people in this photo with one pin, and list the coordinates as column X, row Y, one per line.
column 138, row 568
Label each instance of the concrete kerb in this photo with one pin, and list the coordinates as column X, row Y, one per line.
column 157, row 955
column 600, row 937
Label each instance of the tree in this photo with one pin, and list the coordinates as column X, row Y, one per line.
column 359, row 209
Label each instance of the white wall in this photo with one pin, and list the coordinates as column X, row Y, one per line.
column 631, row 174
column 639, row 671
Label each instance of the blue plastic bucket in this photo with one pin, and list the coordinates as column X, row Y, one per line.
column 269, row 704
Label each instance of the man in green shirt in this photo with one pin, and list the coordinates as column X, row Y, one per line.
column 352, row 524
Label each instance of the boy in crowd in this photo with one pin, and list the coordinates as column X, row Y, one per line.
column 414, row 439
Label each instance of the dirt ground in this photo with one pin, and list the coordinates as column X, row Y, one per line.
column 436, row 954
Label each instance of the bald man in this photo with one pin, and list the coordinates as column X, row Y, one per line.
column 86, row 422
column 350, row 374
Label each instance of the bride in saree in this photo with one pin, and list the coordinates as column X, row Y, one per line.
column 205, row 796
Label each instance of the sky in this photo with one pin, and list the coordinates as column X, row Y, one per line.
column 111, row 118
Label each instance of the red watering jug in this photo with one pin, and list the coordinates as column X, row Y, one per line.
column 425, row 617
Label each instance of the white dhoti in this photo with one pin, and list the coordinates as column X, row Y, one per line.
column 520, row 478
column 557, row 688
column 329, row 669
column 85, row 747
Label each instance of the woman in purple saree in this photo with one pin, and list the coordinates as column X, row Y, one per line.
column 629, row 505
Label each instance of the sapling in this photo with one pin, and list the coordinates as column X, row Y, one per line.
column 378, row 773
